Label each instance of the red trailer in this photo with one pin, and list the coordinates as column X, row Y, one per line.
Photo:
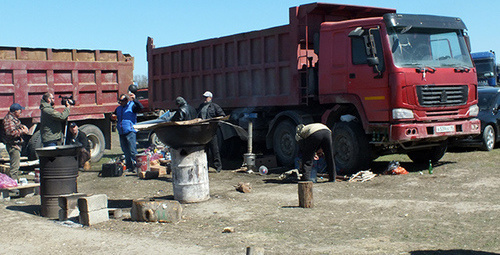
column 384, row 82
column 94, row 78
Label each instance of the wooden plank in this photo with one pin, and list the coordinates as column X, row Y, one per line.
column 29, row 185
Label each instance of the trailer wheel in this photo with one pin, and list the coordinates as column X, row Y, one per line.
column 433, row 154
column 34, row 143
column 351, row 148
column 96, row 140
column 284, row 144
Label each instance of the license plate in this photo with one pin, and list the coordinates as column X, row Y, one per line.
column 442, row 129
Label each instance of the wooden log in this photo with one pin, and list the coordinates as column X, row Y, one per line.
column 306, row 194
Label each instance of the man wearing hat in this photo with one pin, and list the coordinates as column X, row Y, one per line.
column 208, row 110
column 185, row 111
column 78, row 137
column 13, row 137
column 126, row 116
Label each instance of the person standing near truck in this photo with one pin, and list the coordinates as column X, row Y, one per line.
column 311, row 138
column 13, row 138
column 185, row 111
column 52, row 121
column 126, row 115
column 208, row 110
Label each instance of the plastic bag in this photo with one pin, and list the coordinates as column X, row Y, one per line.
column 394, row 168
column 7, row 182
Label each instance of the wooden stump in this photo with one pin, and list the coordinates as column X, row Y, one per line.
column 306, row 194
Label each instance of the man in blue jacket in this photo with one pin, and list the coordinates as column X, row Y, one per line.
column 126, row 115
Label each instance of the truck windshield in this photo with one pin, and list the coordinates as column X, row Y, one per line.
column 425, row 47
column 485, row 68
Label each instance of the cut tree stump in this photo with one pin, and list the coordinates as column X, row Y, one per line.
column 306, row 194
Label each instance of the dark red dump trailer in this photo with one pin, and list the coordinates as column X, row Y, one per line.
column 94, row 78
column 384, row 82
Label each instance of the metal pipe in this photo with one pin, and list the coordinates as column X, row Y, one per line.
column 250, row 136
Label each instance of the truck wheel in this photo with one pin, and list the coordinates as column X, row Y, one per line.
column 284, row 144
column 96, row 139
column 34, row 143
column 154, row 140
column 488, row 138
column 351, row 148
column 434, row 154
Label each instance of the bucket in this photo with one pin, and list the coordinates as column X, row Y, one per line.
column 249, row 160
column 142, row 162
column 190, row 174
column 58, row 174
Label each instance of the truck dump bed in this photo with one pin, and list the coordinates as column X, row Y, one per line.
column 95, row 78
column 258, row 68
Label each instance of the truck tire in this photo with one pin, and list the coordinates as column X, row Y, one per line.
column 351, row 148
column 34, row 143
column 488, row 138
column 284, row 144
column 434, row 154
column 154, row 140
column 96, row 140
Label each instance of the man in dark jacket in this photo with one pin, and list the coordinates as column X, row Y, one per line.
column 208, row 110
column 185, row 111
column 52, row 121
column 13, row 138
column 78, row 137
column 126, row 115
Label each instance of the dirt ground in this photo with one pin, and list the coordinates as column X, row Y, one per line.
column 453, row 211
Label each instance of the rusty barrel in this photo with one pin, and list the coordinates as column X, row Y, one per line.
column 58, row 174
column 190, row 174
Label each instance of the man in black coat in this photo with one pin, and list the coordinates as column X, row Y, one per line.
column 208, row 110
column 185, row 111
column 77, row 137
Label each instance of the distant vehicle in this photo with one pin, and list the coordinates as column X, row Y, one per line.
column 489, row 114
column 487, row 71
column 147, row 113
column 94, row 78
column 146, row 138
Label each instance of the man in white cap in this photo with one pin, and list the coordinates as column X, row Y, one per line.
column 208, row 110
column 13, row 138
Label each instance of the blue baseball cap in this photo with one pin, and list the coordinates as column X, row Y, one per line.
column 15, row 106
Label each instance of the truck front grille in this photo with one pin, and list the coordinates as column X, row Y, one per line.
column 434, row 96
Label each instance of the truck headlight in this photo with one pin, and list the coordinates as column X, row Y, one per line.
column 473, row 110
column 401, row 113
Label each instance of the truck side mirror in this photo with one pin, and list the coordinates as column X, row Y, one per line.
column 357, row 32
column 467, row 41
column 373, row 61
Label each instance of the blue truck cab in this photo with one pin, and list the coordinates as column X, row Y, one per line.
column 487, row 71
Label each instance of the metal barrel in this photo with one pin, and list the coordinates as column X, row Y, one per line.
column 58, row 175
column 190, row 174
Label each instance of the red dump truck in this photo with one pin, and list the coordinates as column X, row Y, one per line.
column 383, row 82
column 94, row 78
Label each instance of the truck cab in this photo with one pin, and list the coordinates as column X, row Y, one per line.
column 487, row 71
column 407, row 80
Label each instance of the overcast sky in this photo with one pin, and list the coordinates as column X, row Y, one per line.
column 125, row 25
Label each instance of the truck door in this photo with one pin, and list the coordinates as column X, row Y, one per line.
column 367, row 75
